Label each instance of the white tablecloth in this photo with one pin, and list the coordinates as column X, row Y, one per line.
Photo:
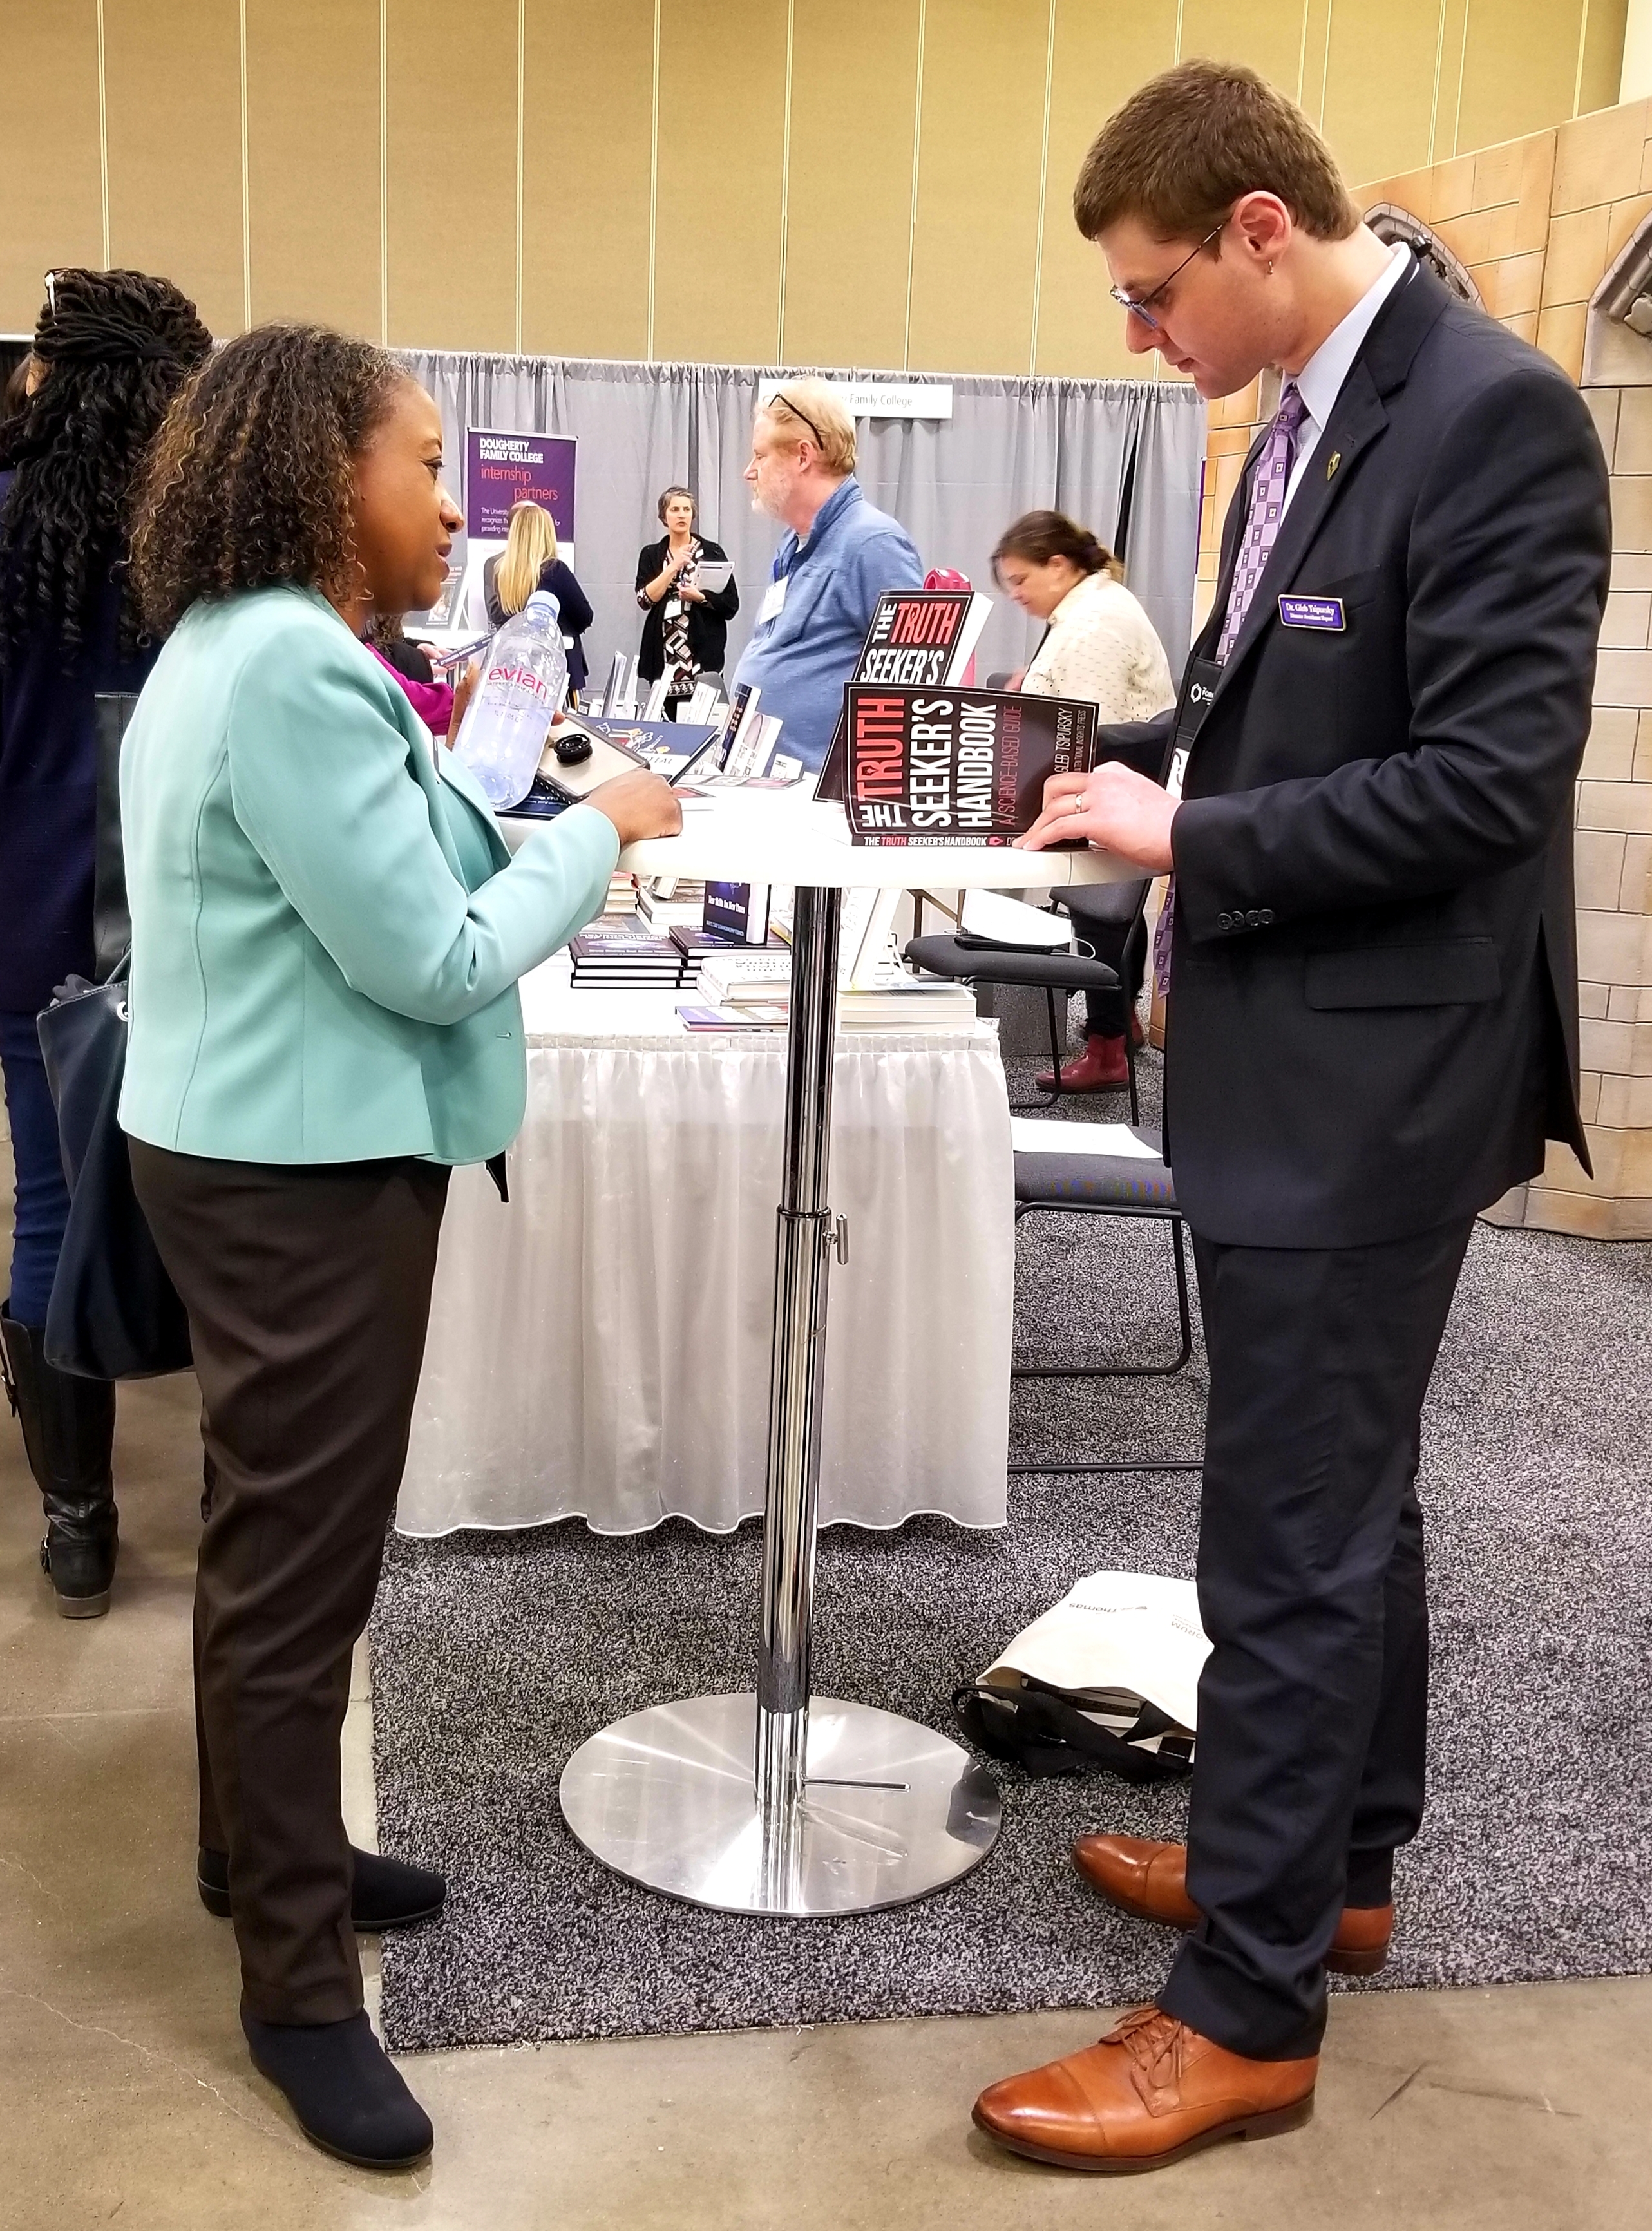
column 601, row 1347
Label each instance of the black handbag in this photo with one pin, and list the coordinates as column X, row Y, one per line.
column 114, row 1313
column 1035, row 1727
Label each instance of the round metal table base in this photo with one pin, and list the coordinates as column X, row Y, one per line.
column 892, row 1810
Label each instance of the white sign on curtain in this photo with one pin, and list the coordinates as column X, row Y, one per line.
column 881, row 398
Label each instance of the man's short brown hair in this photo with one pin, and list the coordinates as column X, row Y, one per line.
column 1187, row 145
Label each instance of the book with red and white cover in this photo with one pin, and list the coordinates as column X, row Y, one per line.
column 963, row 767
column 917, row 637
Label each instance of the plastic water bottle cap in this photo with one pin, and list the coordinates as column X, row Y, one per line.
column 545, row 602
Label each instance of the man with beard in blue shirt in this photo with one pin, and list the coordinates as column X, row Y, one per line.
column 838, row 560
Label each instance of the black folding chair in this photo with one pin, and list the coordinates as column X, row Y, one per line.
column 1106, row 1184
column 962, row 960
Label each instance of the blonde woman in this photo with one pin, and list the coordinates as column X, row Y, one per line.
column 529, row 561
column 1097, row 643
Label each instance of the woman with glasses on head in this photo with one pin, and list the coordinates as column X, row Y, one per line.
column 1100, row 644
column 685, row 626
column 109, row 353
column 838, row 556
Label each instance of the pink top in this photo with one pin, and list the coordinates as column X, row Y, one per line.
column 432, row 700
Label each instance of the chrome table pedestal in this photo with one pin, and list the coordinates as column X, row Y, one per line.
column 753, row 1804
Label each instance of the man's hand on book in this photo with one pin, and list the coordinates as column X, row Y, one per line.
column 1112, row 807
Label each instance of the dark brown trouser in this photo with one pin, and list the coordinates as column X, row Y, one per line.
column 308, row 1294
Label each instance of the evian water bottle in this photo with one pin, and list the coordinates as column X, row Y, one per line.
column 505, row 723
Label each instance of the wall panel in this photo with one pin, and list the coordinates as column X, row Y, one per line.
column 172, row 70
column 976, row 234
column 738, row 215
column 312, row 161
column 721, row 137
column 452, row 174
column 1100, row 57
column 1603, row 55
column 1520, row 68
column 1314, row 56
column 854, row 98
column 1379, row 85
column 52, row 190
column 588, row 117
column 1267, row 34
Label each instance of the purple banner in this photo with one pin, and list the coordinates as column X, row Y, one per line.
column 503, row 468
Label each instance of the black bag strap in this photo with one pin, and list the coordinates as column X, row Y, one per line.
column 1036, row 1728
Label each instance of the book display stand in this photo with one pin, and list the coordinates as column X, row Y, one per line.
column 775, row 1802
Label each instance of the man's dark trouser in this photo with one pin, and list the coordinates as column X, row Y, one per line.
column 309, row 1292
column 1313, row 1702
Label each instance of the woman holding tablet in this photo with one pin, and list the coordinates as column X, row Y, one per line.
column 685, row 630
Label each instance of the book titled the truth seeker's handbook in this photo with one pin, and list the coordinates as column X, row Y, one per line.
column 917, row 636
column 955, row 766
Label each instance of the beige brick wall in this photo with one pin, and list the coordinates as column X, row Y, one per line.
column 1538, row 221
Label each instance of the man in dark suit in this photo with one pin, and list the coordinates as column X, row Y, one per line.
column 1371, row 1032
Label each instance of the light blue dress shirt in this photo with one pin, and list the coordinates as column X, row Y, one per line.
column 801, row 654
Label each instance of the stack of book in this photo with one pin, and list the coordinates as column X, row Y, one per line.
column 615, row 954
column 748, row 986
column 697, row 945
column 664, row 903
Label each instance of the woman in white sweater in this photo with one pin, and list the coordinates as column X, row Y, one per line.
column 1099, row 644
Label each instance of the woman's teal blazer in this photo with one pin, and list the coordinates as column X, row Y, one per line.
column 327, row 927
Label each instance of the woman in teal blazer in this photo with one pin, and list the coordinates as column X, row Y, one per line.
column 327, row 930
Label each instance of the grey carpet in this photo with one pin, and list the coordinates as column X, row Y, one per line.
column 494, row 1656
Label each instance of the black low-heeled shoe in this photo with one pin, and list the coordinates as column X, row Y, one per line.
column 348, row 2097
column 386, row 1894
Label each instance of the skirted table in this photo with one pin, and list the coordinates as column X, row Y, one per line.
column 601, row 1347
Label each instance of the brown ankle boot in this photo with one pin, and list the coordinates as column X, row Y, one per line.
column 1100, row 1067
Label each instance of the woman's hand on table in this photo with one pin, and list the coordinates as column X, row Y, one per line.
column 639, row 805
column 1112, row 807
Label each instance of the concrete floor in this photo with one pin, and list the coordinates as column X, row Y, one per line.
column 125, row 2094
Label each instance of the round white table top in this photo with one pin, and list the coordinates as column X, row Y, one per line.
column 782, row 837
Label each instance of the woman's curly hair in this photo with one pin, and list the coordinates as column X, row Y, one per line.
column 249, row 482
column 114, row 347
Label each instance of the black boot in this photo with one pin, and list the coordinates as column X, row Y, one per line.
column 347, row 2095
column 386, row 1894
column 68, row 1432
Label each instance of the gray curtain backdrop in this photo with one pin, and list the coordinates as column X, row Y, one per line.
column 1011, row 446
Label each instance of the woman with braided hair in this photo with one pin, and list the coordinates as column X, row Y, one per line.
column 111, row 351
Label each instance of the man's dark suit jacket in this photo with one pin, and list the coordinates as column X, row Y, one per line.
column 1373, row 1013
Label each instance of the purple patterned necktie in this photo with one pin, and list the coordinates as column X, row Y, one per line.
column 1256, row 547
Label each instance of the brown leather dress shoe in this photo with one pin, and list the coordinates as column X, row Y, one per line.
column 1152, row 2091
column 1100, row 1067
column 1151, row 1881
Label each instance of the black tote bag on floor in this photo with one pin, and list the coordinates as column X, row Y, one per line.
column 114, row 1313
